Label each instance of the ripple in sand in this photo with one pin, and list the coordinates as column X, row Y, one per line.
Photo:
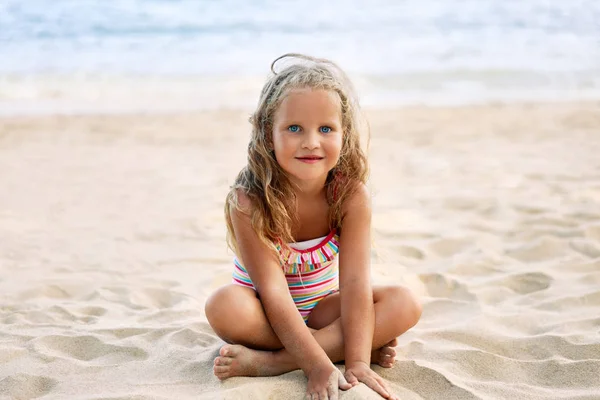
column 580, row 326
column 189, row 338
column 87, row 348
column 586, row 247
column 522, row 348
column 559, row 373
column 122, row 333
column 470, row 203
column 93, row 311
column 129, row 397
column 531, row 208
column 11, row 353
column 440, row 384
column 440, row 311
column 535, row 233
column 438, row 285
column 50, row 291
column 25, row 386
column 157, row 298
column 410, row 252
column 593, row 232
column 550, row 221
column 526, row 283
column 449, row 247
column 571, row 302
column 591, row 266
column 543, row 249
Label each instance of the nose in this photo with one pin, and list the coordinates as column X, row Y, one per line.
column 311, row 140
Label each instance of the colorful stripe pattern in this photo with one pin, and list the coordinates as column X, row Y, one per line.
column 311, row 274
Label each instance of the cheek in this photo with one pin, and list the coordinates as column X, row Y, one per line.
column 335, row 146
column 281, row 144
column 276, row 138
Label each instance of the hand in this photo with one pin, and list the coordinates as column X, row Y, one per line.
column 361, row 372
column 323, row 383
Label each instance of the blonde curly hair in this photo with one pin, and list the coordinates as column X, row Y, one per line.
column 264, row 181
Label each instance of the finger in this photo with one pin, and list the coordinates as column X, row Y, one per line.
column 332, row 391
column 343, row 383
column 323, row 395
column 351, row 379
column 386, row 388
column 373, row 384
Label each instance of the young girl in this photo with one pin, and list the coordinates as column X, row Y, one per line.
column 300, row 202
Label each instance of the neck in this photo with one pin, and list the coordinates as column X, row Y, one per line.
column 309, row 189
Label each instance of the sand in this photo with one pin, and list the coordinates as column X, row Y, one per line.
column 112, row 238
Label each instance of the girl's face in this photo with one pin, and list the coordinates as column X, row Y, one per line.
column 307, row 134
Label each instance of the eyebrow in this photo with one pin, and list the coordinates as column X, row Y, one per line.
column 328, row 123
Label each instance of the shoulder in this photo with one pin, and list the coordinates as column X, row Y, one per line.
column 240, row 204
column 358, row 202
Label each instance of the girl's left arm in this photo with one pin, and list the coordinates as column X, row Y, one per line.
column 356, row 293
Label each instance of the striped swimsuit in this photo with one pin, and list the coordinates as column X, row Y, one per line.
column 311, row 271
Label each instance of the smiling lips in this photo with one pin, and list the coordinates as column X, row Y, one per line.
column 309, row 159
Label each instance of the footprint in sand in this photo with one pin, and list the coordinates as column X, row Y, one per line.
column 87, row 348
column 526, row 283
column 25, row 386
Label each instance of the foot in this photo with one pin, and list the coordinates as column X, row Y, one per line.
column 237, row 360
column 386, row 355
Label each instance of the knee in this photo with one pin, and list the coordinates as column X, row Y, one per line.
column 214, row 306
column 218, row 310
column 231, row 312
column 405, row 306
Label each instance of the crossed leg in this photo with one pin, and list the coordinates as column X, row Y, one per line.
column 237, row 316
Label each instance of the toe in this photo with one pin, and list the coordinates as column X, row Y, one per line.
column 225, row 351
column 388, row 352
column 221, row 372
column 386, row 363
column 220, row 369
column 223, row 360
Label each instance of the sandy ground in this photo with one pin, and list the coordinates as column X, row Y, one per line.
column 112, row 238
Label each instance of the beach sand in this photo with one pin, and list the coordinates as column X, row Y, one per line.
column 112, row 237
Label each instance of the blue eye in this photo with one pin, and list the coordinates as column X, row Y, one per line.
column 294, row 128
column 325, row 129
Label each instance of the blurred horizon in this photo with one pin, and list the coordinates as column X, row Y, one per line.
column 414, row 51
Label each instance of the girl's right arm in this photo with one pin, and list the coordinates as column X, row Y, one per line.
column 269, row 280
